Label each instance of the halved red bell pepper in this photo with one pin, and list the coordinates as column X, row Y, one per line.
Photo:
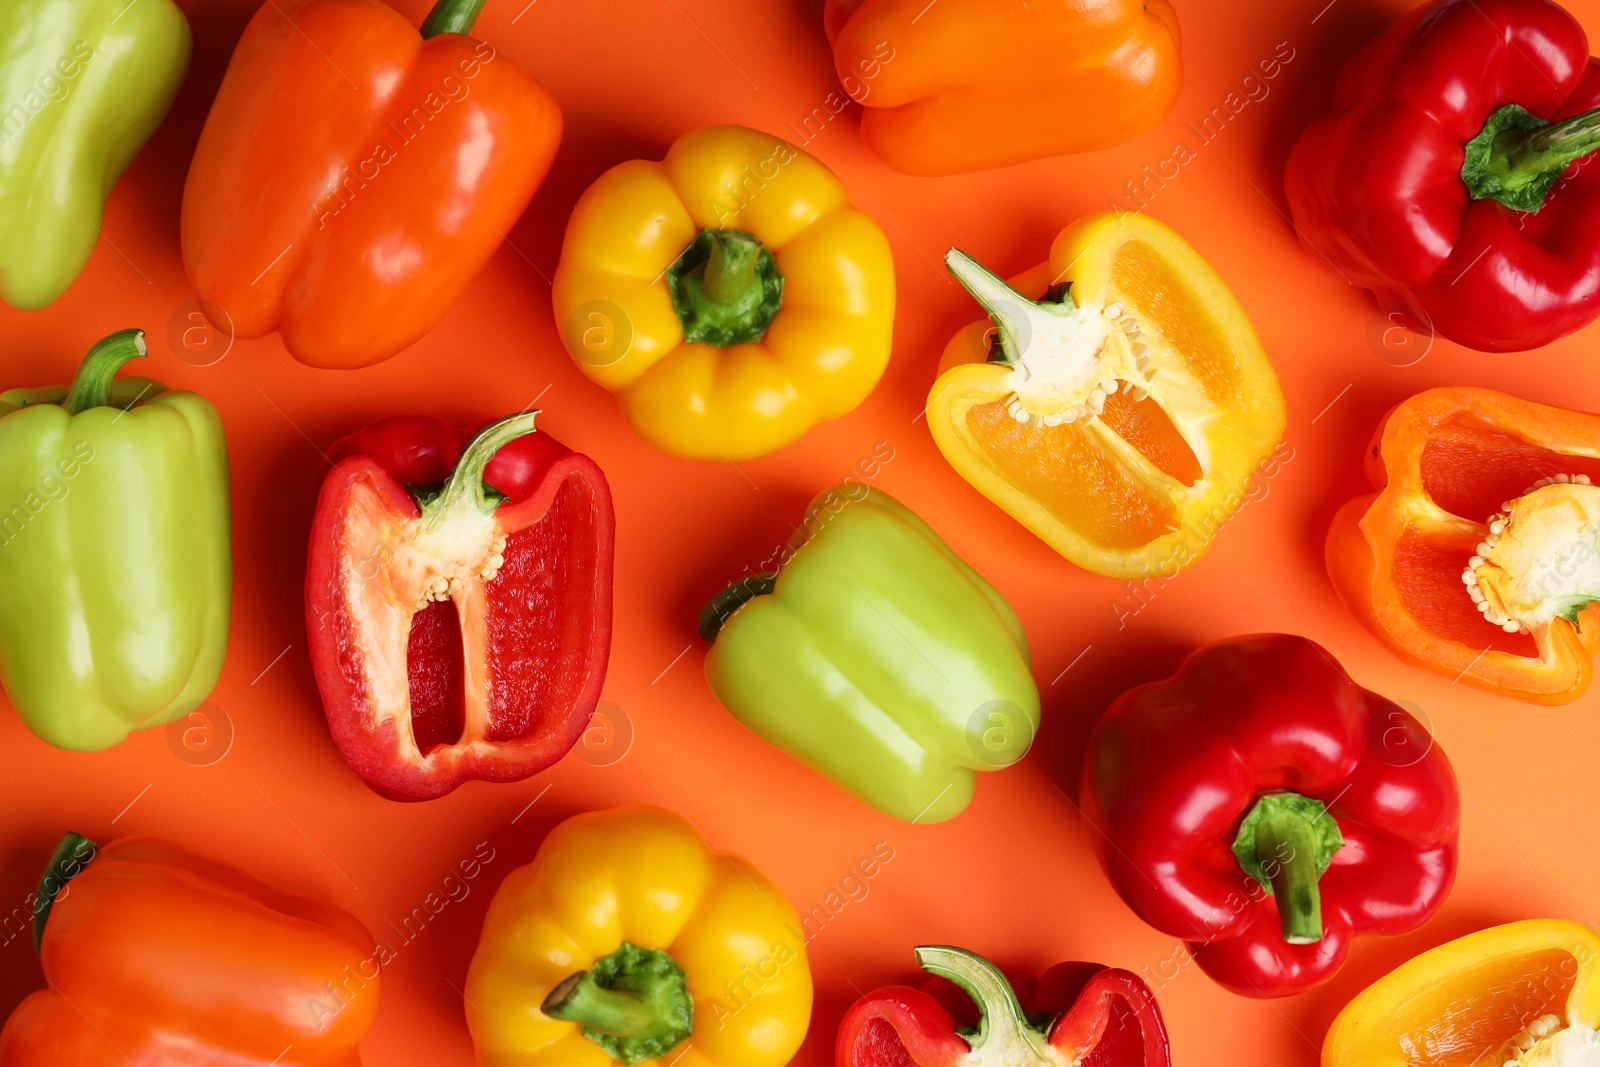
column 973, row 1013
column 1443, row 178
column 458, row 630
column 1266, row 809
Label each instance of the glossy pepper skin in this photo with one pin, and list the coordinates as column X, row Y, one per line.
column 876, row 656
column 458, row 601
column 1090, row 1015
column 114, row 551
column 1470, row 1001
column 353, row 176
column 969, row 85
column 628, row 939
column 1438, row 183
column 86, row 84
column 1446, row 463
column 728, row 295
column 1266, row 809
column 160, row 956
column 1117, row 401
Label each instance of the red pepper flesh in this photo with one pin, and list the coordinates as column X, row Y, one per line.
column 1077, row 1013
column 1252, row 741
column 438, row 665
column 1384, row 191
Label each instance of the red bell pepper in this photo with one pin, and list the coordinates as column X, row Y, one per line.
column 974, row 1013
column 1266, row 809
column 1443, row 179
column 458, row 631
column 354, row 175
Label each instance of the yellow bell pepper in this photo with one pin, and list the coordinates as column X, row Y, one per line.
column 728, row 295
column 1123, row 404
column 627, row 939
column 1526, row 994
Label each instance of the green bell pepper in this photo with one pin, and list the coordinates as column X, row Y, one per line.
column 878, row 657
column 83, row 85
column 114, row 551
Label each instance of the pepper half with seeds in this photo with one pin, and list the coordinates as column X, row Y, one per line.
column 458, row 601
column 1123, row 403
column 1480, row 556
column 1526, row 994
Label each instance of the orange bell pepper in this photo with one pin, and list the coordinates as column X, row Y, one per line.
column 1479, row 557
column 353, row 176
column 962, row 85
column 1118, row 404
column 157, row 956
column 1526, row 994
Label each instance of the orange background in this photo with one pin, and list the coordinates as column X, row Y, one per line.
column 1013, row 876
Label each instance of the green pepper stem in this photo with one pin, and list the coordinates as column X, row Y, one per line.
column 1286, row 845
column 731, row 599
column 1004, row 1031
column 1017, row 317
column 1552, row 147
column 1517, row 157
column 451, row 16
column 731, row 269
column 72, row 852
column 91, row 386
column 580, row 999
column 633, row 1003
column 725, row 288
column 1285, row 842
column 465, row 485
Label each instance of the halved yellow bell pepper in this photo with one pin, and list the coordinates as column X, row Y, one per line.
column 728, row 295
column 1526, row 994
column 628, row 939
column 1122, row 405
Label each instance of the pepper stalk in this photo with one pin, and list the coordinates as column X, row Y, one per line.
column 91, row 385
column 1285, row 843
column 71, row 854
column 451, row 16
column 1517, row 157
column 633, row 1003
column 726, row 288
column 1004, row 1036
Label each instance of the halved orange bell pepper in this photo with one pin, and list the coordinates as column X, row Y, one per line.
column 1123, row 404
column 1526, row 994
column 155, row 955
column 1480, row 556
column 964, row 85
column 354, row 174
